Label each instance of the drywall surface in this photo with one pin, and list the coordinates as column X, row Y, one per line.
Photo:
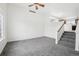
column 22, row 24
column 60, row 10
column 25, row 25
column 3, row 12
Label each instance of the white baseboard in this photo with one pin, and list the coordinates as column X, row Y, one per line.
column 24, row 39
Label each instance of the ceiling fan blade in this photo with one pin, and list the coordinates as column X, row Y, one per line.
column 42, row 5
column 31, row 5
column 32, row 11
column 36, row 3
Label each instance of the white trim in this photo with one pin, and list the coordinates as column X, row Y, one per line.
column 2, row 26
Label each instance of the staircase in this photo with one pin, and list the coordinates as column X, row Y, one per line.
column 68, row 40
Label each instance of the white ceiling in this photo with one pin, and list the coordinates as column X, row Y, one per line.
column 57, row 9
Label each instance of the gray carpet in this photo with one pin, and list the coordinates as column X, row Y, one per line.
column 42, row 46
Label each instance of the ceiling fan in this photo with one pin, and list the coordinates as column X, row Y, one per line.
column 36, row 5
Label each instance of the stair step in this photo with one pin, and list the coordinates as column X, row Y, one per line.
column 67, row 36
column 68, row 32
column 68, row 40
column 66, row 44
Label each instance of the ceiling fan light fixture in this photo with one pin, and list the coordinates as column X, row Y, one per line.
column 37, row 5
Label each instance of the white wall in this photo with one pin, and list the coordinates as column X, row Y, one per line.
column 59, row 10
column 23, row 24
column 3, row 11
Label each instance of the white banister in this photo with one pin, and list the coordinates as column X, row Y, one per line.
column 77, row 37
